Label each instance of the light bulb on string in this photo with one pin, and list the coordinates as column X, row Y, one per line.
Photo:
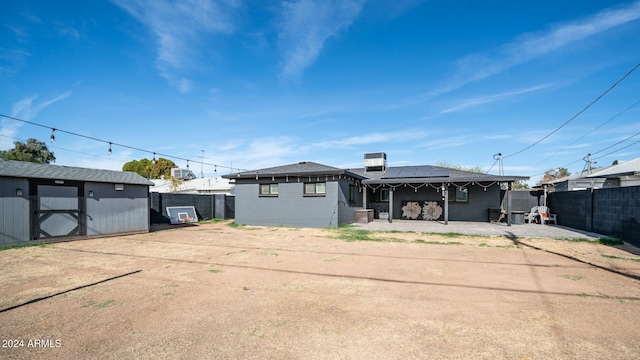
column 154, row 159
column 52, row 137
column 109, row 151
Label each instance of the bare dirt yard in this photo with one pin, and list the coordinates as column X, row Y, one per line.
column 224, row 292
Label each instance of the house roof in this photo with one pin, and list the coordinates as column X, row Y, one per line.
column 392, row 175
column 215, row 184
column 619, row 168
column 23, row 169
column 629, row 167
column 303, row 168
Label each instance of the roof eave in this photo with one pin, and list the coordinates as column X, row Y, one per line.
column 441, row 180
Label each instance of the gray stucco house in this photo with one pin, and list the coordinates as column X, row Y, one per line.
column 48, row 202
column 314, row 195
column 305, row 194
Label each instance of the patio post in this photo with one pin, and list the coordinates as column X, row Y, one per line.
column 364, row 196
column 391, row 204
column 445, row 198
column 508, row 204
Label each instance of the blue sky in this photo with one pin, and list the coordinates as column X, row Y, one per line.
column 264, row 83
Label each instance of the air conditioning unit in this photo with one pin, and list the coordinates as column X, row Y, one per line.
column 182, row 174
column 375, row 161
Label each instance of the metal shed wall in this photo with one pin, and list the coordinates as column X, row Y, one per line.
column 110, row 211
column 14, row 211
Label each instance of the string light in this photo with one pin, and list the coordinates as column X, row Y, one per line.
column 52, row 138
column 154, row 159
column 109, row 152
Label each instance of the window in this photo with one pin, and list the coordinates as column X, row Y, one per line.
column 384, row 195
column 268, row 189
column 457, row 194
column 352, row 193
column 315, row 189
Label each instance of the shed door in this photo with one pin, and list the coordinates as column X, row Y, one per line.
column 57, row 211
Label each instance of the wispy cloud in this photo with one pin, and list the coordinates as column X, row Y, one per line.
column 178, row 27
column 371, row 138
column 490, row 99
column 533, row 45
column 305, row 27
column 448, row 142
column 24, row 109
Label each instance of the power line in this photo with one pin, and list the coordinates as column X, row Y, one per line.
column 111, row 143
column 601, row 150
column 590, row 132
column 621, row 141
column 578, row 114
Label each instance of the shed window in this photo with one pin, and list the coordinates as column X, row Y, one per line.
column 268, row 189
column 315, row 189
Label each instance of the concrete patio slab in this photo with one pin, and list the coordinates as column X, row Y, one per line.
column 480, row 228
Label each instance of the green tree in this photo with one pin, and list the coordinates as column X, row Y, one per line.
column 162, row 167
column 31, row 151
column 519, row 185
column 445, row 164
column 147, row 168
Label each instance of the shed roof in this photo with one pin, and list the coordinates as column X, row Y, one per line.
column 23, row 169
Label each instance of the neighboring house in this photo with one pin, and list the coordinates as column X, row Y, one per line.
column 305, row 194
column 618, row 174
column 315, row 195
column 215, row 185
column 41, row 201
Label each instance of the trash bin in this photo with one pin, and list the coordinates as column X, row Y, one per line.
column 517, row 217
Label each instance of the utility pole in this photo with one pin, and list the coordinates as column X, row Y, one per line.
column 202, row 164
column 498, row 156
column 588, row 163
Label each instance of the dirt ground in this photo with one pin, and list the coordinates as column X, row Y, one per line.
column 217, row 291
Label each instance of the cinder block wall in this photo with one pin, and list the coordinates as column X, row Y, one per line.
column 609, row 211
column 616, row 211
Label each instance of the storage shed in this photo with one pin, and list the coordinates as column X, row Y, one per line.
column 42, row 201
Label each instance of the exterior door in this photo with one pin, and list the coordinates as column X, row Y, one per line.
column 57, row 209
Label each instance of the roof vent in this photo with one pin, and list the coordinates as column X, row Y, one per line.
column 375, row 161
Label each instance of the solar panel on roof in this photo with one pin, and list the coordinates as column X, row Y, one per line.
column 392, row 173
column 415, row 172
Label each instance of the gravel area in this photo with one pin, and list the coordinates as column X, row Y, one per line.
column 223, row 292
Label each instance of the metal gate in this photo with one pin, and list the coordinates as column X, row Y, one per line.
column 57, row 209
